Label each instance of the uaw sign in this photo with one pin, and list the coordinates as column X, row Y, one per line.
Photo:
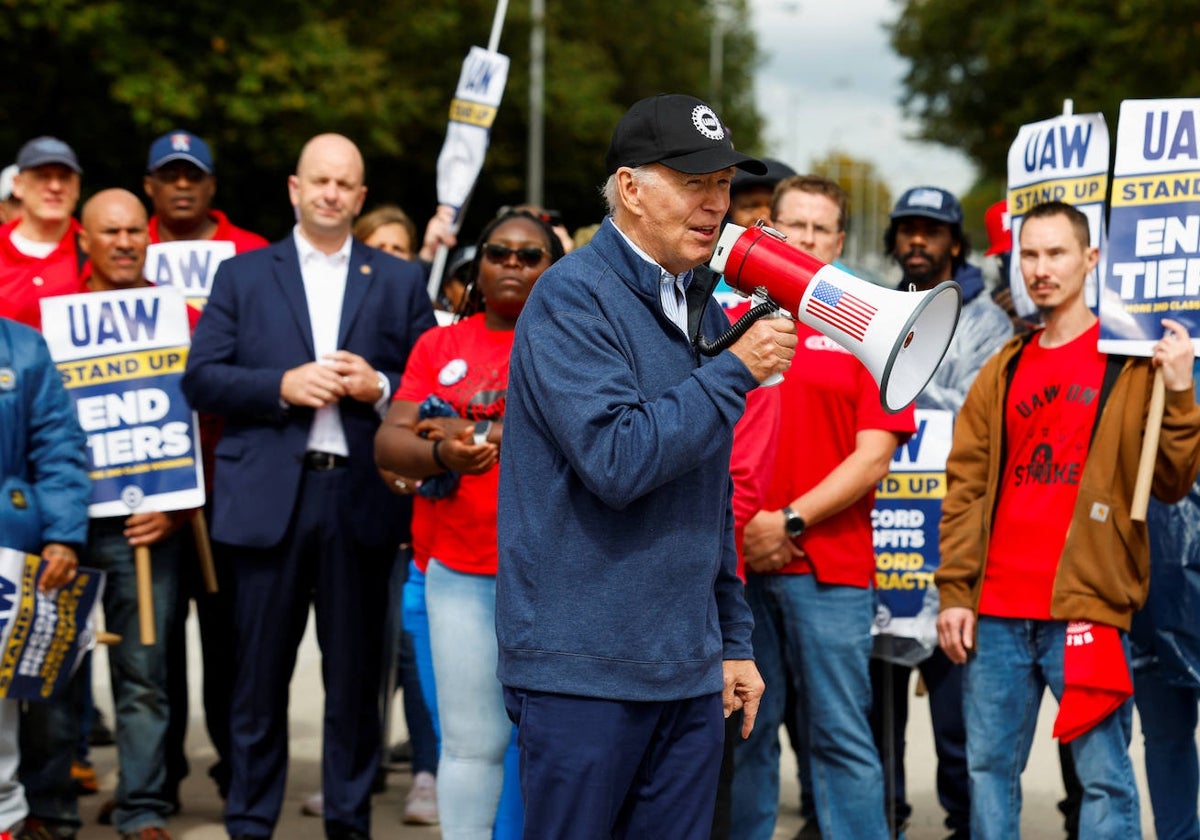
column 187, row 265
column 1060, row 159
column 1153, row 253
column 121, row 355
column 43, row 635
column 908, row 510
column 472, row 111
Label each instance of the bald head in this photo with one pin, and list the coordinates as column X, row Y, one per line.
column 114, row 237
column 327, row 190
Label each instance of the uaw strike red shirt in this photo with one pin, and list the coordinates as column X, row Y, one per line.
column 243, row 240
column 828, row 397
column 466, row 365
column 25, row 280
column 1049, row 416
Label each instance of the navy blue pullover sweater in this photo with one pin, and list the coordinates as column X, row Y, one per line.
column 617, row 562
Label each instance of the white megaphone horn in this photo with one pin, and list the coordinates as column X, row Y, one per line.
column 900, row 336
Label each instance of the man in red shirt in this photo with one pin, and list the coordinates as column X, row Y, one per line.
column 38, row 253
column 812, row 563
column 181, row 182
column 1036, row 532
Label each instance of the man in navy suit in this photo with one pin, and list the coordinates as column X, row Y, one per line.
column 300, row 348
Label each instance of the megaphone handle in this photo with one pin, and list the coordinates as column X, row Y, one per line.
column 773, row 379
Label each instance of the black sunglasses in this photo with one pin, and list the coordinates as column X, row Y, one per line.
column 530, row 255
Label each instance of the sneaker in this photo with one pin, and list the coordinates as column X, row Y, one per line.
column 150, row 832
column 83, row 776
column 39, row 829
column 314, row 806
column 420, row 806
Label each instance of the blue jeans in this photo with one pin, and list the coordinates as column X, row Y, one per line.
column 1016, row 660
column 49, row 739
column 827, row 643
column 475, row 728
column 1168, row 714
column 139, row 672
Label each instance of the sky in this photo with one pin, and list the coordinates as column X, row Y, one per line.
column 829, row 80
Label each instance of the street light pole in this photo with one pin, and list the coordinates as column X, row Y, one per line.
column 535, row 149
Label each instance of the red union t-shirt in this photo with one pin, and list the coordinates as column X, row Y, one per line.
column 466, row 365
column 1048, row 419
column 828, row 397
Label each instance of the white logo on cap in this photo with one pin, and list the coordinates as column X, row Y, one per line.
column 706, row 123
column 181, row 143
column 926, row 198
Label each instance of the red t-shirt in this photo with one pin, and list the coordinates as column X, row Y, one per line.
column 1048, row 421
column 25, row 280
column 243, row 240
column 755, row 448
column 828, row 398
column 466, row 365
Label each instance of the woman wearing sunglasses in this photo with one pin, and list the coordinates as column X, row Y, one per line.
column 465, row 366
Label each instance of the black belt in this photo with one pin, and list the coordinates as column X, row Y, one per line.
column 322, row 461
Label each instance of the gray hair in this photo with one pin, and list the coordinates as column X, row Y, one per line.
column 612, row 198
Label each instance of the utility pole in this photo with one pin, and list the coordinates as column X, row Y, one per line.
column 536, row 148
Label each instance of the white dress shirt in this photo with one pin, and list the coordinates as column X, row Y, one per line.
column 324, row 277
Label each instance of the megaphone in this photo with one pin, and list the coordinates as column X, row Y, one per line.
column 901, row 337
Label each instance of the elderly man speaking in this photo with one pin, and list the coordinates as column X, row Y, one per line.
column 622, row 627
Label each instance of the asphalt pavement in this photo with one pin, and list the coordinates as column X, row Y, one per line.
column 200, row 818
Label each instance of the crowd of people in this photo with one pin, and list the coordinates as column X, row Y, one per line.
column 626, row 566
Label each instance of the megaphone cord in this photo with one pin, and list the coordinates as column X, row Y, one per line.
column 737, row 330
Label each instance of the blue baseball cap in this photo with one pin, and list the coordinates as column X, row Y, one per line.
column 43, row 151
column 179, row 145
column 930, row 202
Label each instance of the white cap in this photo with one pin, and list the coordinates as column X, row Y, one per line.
column 6, row 181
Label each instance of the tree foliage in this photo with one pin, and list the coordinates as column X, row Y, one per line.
column 979, row 71
column 257, row 79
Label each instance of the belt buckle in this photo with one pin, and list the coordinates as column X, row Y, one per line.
column 322, row 461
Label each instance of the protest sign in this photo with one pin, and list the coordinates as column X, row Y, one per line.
column 43, row 635
column 1153, row 253
column 121, row 355
column 908, row 509
column 472, row 112
column 188, row 265
column 1060, row 159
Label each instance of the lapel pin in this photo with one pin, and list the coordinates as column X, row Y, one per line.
column 365, row 269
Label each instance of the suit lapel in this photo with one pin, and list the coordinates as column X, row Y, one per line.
column 359, row 277
column 287, row 275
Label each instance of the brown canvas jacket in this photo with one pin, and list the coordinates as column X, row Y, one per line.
column 1104, row 572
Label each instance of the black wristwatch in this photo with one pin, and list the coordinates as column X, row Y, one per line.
column 793, row 523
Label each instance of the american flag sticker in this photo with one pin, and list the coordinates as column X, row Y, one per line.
column 838, row 308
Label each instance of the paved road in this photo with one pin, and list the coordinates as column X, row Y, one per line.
column 201, row 816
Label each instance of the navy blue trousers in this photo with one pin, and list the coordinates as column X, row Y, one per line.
column 594, row 769
column 318, row 562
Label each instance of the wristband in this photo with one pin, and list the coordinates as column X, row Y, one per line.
column 437, row 459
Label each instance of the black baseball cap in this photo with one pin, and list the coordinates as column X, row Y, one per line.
column 677, row 131
column 777, row 170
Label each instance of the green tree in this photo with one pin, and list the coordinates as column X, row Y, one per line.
column 257, row 79
column 979, row 71
column 870, row 201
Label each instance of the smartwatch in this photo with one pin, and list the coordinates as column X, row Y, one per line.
column 793, row 523
column 482, row 429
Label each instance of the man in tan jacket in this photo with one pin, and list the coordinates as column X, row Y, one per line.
column 1036, row 532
